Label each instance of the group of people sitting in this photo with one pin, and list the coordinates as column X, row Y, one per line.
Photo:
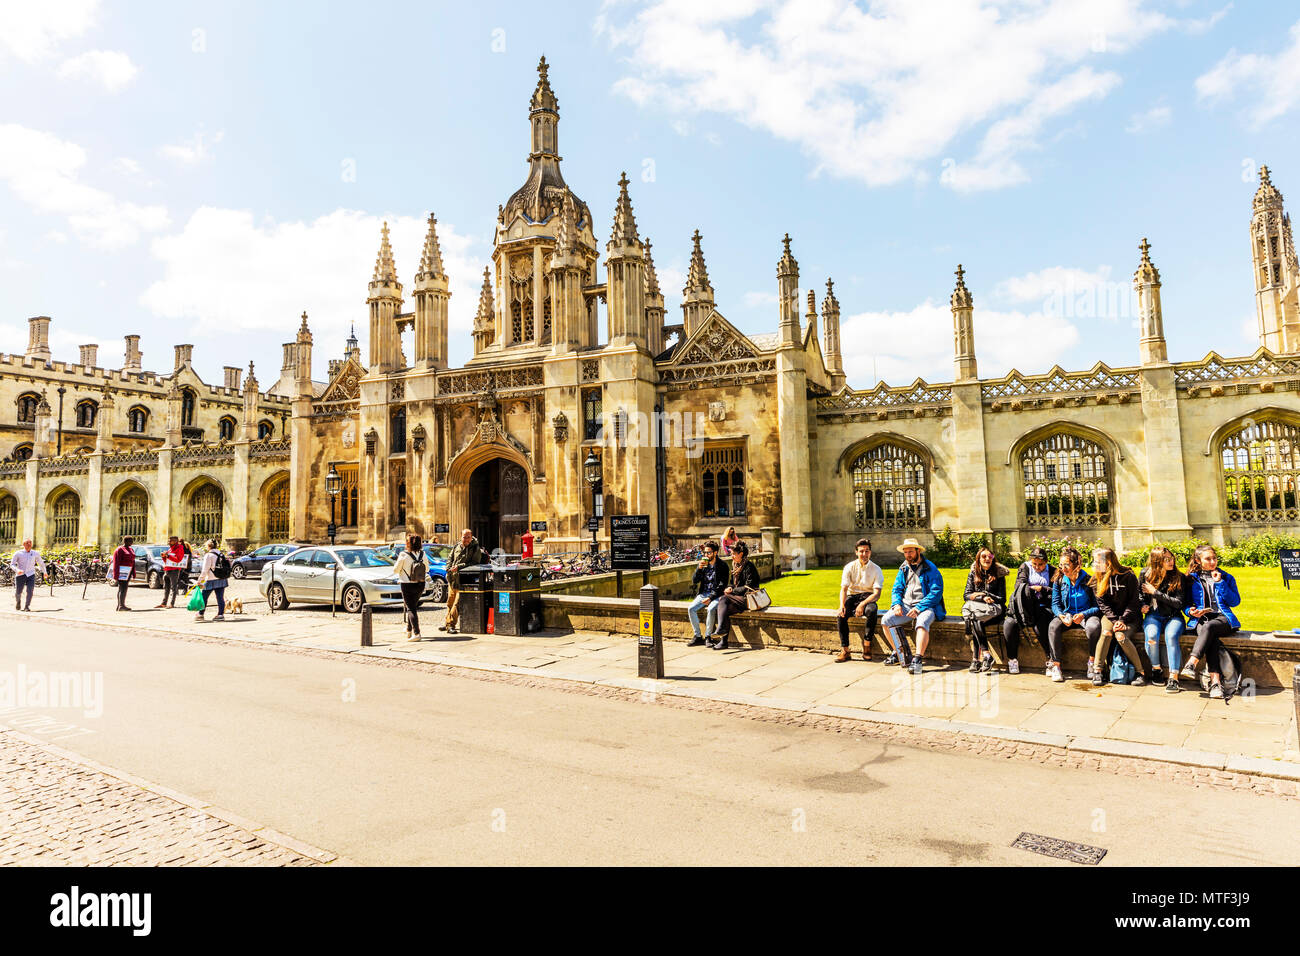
column 1109, row 604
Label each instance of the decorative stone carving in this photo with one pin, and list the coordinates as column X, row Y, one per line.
column 561, row 425
column 419, row 438
column 397, row 391
column 717, row 411
column 372, row 440
column 590, row 370
column 349, row 435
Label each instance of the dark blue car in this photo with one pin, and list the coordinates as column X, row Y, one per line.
column 435, row 556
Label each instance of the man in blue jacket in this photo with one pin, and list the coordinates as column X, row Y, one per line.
column 918, row 599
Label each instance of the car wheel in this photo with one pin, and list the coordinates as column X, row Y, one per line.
column 155, row 580
column 275, row 596
column 237, row 570
column 353, row 599
column 437, row 591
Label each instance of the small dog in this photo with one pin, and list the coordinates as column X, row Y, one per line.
column 234, row 606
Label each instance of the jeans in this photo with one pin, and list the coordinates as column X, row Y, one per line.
column 1154, row 625
column 171, row 585
column 710, row 618
column 851, row 605
column 219, row 586
column 121, row 594
column 22, row 581
column 894, row 623
column 1055, row 647
column 1126, row 643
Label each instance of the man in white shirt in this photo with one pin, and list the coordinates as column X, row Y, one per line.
column 860, row 587
column 25, row 563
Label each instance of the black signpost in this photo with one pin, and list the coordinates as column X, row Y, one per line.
column 1289, row 558
column 629, row 546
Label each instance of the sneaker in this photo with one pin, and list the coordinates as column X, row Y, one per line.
column 198, row 617
column 1139, row 681
column 1216, row 692
column 1047, row 671
column 1172, row 686
column 1013, row 666
column 696, row 641
column 986, row 665
column 917, row 664
column 1157, row 675
column 891, row 660
column 1188, row 671
column 1056, row 675
column 219, row 617
column 1098, row 680
column 975, row 666
column 1092, row 668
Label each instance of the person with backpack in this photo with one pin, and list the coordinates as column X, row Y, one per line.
column 1074, row 604
column 1119, row 596
column 1163, row 596
column 986, row 603
column 412, row 573
column 1030, row 606
column 1211, row 595
column 214, row 575
column 917, row 598
column 122, row 569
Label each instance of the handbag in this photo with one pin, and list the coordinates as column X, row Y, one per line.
column 979, row 611
column 757, row 600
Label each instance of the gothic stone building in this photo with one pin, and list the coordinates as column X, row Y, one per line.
column 691, row 422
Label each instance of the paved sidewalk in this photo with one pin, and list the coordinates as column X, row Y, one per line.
column 1252, row 733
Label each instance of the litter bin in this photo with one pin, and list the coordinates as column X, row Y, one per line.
column 475, row 592
column 518, row 601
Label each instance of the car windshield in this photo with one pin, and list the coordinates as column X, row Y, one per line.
column 437, row 552
column 156, row 549
column 362, row 558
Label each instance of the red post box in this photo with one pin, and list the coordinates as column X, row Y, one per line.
column 526, row 545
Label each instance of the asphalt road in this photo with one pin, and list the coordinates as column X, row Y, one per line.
column 390, row 765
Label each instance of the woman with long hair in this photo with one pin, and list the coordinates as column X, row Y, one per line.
column 986, row 603
column 728, row 541
column 743, row 579
column 1210, row 597
column 1162, row 607
column 412, row 575
column 1074, row 604
column 1119, row 598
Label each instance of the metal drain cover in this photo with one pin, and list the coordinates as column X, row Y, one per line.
column 1060, row 849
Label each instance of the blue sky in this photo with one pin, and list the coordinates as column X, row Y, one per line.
column 205, row 172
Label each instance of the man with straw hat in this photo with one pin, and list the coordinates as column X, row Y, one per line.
column 918, row 599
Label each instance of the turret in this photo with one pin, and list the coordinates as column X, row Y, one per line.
column 1146, row 282
column 104, row 423
column 963, row 330
column 248, row 430
column 302, row 368
column 810, row 317
column 697, row 296
column 654, row 305
column 567, row 267
column 831, row 327
column 385, row 302
column 431, row 291
column 625, row 268
column 485, row 318
column 787, row 286
column 1277, row 276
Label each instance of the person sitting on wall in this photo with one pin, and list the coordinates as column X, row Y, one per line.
column 1211, row 596
column 1163, row 596
column 1030, row 606
column 466, row 552
column 918, row 598
column 860, row 587
column 1119, row 596
column 1074, row 604
column 709, row 582
column 743, row 579
column 985, row 603
column 728, row 541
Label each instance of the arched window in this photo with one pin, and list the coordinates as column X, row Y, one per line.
column 722, row 482
column 86, row 410
column 64, row 518
column 546, row 321
column 277, row 510
column 8, row 520
column 133, row 514
column 136, row 419
column 890, row 488
column 27, row 408
column 1066, row 482
column 205, row 513
column 226, row 428
column 23, row 452
column 265, row 430
column 397, row 443
column 189, row 402
column 1261, row 469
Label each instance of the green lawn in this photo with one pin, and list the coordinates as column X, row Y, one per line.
column 1265, row 604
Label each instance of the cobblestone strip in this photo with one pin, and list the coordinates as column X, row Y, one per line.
column 59, row 809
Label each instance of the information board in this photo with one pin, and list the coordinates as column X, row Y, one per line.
column 629, row 542
column 1289, row 558
column 539, row 526
column 441, row 528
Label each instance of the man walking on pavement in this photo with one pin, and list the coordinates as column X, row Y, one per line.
column 466, row 552
column 25, row 563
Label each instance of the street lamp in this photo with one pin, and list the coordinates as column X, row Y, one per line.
column 333, row 483
column 591, row 470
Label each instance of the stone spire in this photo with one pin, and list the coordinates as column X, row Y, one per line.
column 624, row 221
column 352, row 347
column 1146, row 282
column 249, row 427
column 810, row 317
column 787, row 291
column 485, row 318
column 543, row 95
column 965, row 368
column 1267, row 194
column 697, row 296
column 431, row 292
column 302, row 366
column 651, row 277
column 385, row 302
column 831, row 330
column 431, row 257
column 654, row 305
column 385, row 270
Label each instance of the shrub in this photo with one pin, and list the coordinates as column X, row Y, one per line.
column 1182, row 550
column 1054, row 547
column 950, row 550
column 1257, row 550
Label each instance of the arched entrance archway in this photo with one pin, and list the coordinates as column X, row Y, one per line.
column 498, row 504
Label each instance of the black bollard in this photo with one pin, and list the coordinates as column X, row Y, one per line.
column 650, row 636
column 367, row 627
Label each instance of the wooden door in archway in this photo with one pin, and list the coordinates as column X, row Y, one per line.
column 514, row 505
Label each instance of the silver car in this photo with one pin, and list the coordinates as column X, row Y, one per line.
column 308, row 577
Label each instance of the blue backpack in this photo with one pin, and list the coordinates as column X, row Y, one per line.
column 1122, row 670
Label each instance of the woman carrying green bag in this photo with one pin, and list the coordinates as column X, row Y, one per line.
column 196, row 598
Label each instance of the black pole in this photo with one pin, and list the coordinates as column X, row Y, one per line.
column 333, row 529
column 269, row 587
column 60, row 448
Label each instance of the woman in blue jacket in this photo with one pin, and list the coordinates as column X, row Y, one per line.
column 1074, row 604
column 1211, row 596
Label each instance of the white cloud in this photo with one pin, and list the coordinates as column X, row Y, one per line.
column 903, row 346
column 124, row 164
column 55, row 235
column 1271, row 84
column 879, row 93
column 1151, row 119
column 32, row 31
column 1205, row 24
column 226, row 273
column 111, row 69
column 194, row 150
column 755, row 299
column 43, row 171
column 1066, row 292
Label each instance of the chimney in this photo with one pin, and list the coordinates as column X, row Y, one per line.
column 183, row 355
column 89, row 355
column 290, row 357
column 233, row 375
column 38, row 338
column 132, row 361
